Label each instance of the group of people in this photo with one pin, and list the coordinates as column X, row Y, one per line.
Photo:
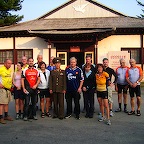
column 52, row 84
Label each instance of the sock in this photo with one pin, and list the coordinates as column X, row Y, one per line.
column 6, row 114
column 110, row 109
column 19, row 111
column 120, row 105
column 1, row 116
column 125, row 106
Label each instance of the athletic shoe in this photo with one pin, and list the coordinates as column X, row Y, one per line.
column 131, row 113
column 25, row 118
column 125, row 110
column 67, row 116
column 8, row 118
column 118, row 110
column 138, row 113
column 17, row 116
column 111, row 113
column 108, row 122
column 2, row 121
column 35, row 118
column 77, row 117
column 101, row 119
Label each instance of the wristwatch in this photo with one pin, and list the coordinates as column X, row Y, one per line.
column 137, row 82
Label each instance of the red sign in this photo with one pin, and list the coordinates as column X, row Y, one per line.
column 75, row 49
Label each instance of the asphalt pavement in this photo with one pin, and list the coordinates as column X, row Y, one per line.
column 125, row 129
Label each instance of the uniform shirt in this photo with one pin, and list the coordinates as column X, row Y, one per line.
column 73, row 77
column 31, row 76
column 101, row 81
column 134, row 73
column 121, row 75
column 44, row 79
column 5, row 77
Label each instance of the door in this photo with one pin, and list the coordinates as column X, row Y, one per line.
column 79, row 56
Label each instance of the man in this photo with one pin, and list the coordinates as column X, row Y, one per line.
column 39, row 60
column 5, row 86
column 24, row 61
column 111, row 72
column 93, row 69
column 74, row 79
column 30, row 81
column 122, row 85
column 57, row 86
column 134, row 75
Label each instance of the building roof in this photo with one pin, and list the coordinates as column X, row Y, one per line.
column 76, row 23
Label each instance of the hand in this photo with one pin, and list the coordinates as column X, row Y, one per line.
column 1, row 86
column 34, row 87
column 24, row 90
column 79, row 90
column 84, row 89
column 64, row 91
column 51, row 91
column 18, row 88
column 134, row 85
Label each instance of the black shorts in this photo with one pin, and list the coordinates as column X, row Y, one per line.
column 123, row 88
column 44, row 93
column 102, row 94
column 18, row 94
column 135, row 90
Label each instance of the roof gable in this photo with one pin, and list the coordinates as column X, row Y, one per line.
column 81, row 9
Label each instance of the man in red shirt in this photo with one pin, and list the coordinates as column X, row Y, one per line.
column 30, row 81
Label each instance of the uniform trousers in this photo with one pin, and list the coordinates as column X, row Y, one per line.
column 58, row 104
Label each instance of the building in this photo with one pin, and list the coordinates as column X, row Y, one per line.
column 76, row 28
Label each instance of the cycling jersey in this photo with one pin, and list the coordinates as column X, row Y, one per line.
column 134, row 73
column 121, row 75
column 5, row 77
column 31, row 75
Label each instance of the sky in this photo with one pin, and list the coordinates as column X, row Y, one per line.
column 32, row 9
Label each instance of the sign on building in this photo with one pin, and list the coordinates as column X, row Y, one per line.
column 115, row 56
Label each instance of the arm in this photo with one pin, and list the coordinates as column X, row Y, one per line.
column 38, row 81
column 80, row 87
column 50, row 82
column 64, row 91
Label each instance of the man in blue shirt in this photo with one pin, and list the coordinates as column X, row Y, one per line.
column 74, row 77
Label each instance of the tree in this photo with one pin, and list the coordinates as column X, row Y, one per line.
column 141, row 4
column 6, row 9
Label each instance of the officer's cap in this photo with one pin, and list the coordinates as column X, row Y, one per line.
column 56, row 60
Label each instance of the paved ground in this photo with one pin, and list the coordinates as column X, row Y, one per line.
column 124, row 129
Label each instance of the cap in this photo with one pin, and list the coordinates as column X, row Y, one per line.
column 56, row 60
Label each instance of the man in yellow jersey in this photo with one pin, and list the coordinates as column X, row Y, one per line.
column 24, row 61
column 5, row 94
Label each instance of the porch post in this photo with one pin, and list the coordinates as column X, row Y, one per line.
column 95, row 51
column 142, row 50
column 49, row 49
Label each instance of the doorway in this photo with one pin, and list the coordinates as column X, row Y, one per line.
column 79, row 56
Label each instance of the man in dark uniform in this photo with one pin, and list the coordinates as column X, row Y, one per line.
column 57, row 86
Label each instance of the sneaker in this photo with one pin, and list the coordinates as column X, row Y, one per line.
column 25, row 118
column 138, row 113
column 48, row 114
column 68, row 116
column 35, row 118
column 17, row 116
column 111, row 113
column 21, row 116
column 131, row 113
column 8, row 118
column 125, row 110
column 77, row 117
column 118, row 110
column 108, row 122
column 101, row 119
column 2, row 121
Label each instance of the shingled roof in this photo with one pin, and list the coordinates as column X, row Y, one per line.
column 77, row 23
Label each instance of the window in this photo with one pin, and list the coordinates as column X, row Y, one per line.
column 4, row 54
column 134, row 53
column 21, row 53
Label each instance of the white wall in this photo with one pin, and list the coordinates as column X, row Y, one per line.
column 6, row 43
column 115, row 43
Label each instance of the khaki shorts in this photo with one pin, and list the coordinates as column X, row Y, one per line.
column 110, row 89
column 5, row 96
